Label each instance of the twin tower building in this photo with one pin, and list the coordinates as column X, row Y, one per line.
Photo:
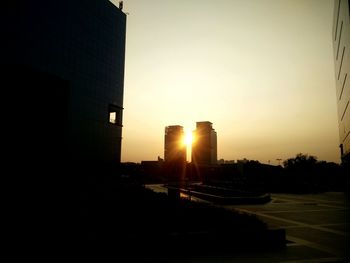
column 204, row 145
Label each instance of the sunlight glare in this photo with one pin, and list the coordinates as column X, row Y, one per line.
column 188, row 138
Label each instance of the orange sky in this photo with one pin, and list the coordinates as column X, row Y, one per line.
column 261, row 71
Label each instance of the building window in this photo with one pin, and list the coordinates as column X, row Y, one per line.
column 115, row 115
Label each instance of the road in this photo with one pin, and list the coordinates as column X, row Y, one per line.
column 317, row 228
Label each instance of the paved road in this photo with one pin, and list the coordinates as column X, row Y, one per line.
column 317, row 227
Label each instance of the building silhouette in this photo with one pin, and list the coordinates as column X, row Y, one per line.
column 174, row 147
column 341, row 47
column 64, row 65
column 174, row 153
column 204, row 148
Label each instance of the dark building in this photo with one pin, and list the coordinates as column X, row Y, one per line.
column 341, row 47
column 174, row 147
column 204, row 148
column 174, row 153
column 151, row 171
column 64, row 67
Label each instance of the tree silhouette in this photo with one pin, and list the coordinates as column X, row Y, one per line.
column 304, row 173
column 301, row 161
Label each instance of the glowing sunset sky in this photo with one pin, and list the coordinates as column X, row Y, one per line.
column 261, row 71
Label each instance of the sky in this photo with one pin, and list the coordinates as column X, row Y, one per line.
column 261, row 71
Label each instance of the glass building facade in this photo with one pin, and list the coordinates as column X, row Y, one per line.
column 341, row 47
column 64, row 63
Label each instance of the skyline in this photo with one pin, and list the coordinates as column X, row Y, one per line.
column 261, row 71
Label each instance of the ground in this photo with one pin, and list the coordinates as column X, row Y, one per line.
column 317, row 227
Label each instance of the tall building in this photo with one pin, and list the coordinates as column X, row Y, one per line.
column 174, row 167
column 341, row 47
column 64, row 67
column 204, row 148
column 174, row 147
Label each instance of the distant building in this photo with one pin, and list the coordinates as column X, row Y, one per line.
column 158, row 162
column 204, row 149
column 221, row 161
column 64, row 69
column 174, row 147
column 341, row 47
column 244, row 160
column 174, row 153
column 151, row 171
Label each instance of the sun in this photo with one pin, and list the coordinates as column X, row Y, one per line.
column 188, row 139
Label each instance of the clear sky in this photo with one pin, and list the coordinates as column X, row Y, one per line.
column 261, row 71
